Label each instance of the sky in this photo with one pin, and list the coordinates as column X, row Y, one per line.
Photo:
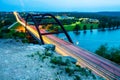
column 60, row 5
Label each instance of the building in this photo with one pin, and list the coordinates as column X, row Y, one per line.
column 88, row 20
column 64, row 17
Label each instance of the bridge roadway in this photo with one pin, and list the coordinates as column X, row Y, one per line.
column 97, row 64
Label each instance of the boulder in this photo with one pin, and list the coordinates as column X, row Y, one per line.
column 49, row 47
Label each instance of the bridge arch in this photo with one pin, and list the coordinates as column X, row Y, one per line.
column 36, row 26
column 41, row 17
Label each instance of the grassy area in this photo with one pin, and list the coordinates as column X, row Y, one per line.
column 72, row 27
column 14, row 25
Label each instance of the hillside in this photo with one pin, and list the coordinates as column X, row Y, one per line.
column 117, row 14
column 33, row 62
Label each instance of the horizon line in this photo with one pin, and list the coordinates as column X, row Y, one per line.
column 64, row 11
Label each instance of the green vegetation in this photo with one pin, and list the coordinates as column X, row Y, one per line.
column 105, row 21
column 59, row 60
column 6, row 33
column 71, row 68
column 15, row 25
column 70, row 24
column 109, row 22
column 77, row 77
column 80, row 26
column 6, row 19
column 65, row 65
column 112, row 54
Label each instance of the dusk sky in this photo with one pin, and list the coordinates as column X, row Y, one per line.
column 60, row 5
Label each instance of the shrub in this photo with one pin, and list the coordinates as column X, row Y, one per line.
column 77, row 77
column 56, row 60
column 112, row 54
column 78, row 68
column 69, row 70
column 48, row 53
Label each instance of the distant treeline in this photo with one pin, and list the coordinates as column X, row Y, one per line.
column 6, row 19
column 107, row 19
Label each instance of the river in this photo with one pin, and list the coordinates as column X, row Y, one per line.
column 91, row 40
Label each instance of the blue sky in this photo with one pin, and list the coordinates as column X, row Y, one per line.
column 60, row 5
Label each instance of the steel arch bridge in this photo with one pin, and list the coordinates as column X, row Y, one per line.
column 37, row 20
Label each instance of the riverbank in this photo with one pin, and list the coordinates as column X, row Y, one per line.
column 34, row 62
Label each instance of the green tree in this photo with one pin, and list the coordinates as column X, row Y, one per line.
column 84, row 27
column 77, row 27
column 112, row 54
column 102, row 50
column 115, row 55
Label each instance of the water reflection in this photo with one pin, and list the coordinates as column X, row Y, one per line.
column 76, row 32
column 91, row 40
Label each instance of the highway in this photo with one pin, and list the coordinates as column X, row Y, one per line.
column 99, row 65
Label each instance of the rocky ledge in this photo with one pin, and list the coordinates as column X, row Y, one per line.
column 20, row 61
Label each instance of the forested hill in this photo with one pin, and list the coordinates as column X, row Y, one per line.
column 109, row 13
column 89, row 14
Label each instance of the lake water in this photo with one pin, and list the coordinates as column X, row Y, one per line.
column 92, row 40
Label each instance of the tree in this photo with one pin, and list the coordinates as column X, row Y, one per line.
column 112, row 54
column 113, row 24
column 84, row 27
column 77, row 27
column 115, row 55
column 91, row 27
column 102, row 50
column 118, row 24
